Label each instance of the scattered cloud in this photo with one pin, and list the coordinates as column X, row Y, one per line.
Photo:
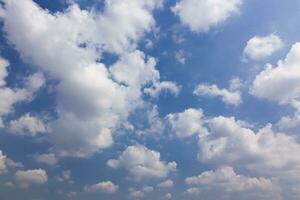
column 142, row 163
column 224, row 183
column 280, row 83
column 106, row 186
column 166, row 184
column 229, row 96
column 187, row 123
column 29, row 177
column 48, row 159
column 259, row 48
column 27, row 125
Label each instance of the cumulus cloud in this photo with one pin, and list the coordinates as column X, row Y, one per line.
column 281, row 83
column 2, row 163
column 168, row 196
column 224, row 183
column 29, row 177
column 166, row 184
column 6, row 163
column 48, row 159
column 106, row 186
column 187, row 123
column 266, row 151
column 147, row 189
column 229, row 96
column 202, row 15
column 142, row 163
column 259, row 48
column 27, row 125
column 136, row 193
column 92, row 99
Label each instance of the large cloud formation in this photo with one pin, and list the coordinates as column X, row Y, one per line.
column 92, row 99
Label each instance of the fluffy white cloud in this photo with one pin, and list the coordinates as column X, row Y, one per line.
column 3, row 71
column 180, row 57
column 265, row 151
column 147, row 189
column 92, row 99
column 224, row 183
column 187, row 123
column 166, row 184
column 6, row 163
column 106, row 186
column 136, row 193
column 159, row 87
column 142, row 163
column 281, row 83
column 27, row 124
column 202, row 15
column 49, row 159
column 259, row 48
column 168, row 196
column 29, row 177
column 2, row 163
column 228, row 96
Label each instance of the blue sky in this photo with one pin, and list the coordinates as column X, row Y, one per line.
column 144, row 99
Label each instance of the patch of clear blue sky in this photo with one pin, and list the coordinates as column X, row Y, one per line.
column 214, row 57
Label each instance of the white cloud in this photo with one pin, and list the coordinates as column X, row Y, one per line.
column 228, row 96
column 92, row 99
column 187, row 123
column 35, row 81
column 281, row 83
column 202, row 15
column 224, row 183
column 3, row 166
column 166, row 184
column 3, row 71
column 11, row 96
column 136, row 194
column 168, row 196
column 180, row 57
column 27, row 125
column 6, row 163
column 159, row 87
column 49, row 159
column 142, row 163
column 106, row 186
column 29, row 177
column 259, row 48
column 147, row 189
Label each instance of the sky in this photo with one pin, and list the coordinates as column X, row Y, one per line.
column 149, row 99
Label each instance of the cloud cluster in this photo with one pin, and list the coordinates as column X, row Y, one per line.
column 92, row 99
column 224, row 183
